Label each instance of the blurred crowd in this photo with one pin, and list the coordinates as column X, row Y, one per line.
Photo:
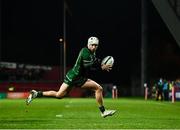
column 20, row 74
column 11, row 71
column 162, row 88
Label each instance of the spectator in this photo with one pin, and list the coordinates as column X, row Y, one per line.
column 159, row 90
column 166, row 90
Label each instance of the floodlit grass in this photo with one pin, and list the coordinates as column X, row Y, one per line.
column 72, row 113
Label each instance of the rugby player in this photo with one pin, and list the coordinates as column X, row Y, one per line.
column 77, row 77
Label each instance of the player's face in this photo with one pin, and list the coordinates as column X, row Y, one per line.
column 93, row 47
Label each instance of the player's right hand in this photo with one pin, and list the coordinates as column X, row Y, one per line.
column 106, row 67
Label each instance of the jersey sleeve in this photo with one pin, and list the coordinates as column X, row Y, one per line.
column 78, row 63
column 97, row 64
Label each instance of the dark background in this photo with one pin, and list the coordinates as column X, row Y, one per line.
column 31, row 32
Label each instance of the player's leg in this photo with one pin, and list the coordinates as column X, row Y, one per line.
column 90, row 84
column 58, row 94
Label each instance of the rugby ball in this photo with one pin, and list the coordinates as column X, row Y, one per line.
column 108, row 60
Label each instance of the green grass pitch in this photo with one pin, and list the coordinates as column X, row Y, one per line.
column 83, row 113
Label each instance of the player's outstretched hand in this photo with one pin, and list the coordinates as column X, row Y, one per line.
column 106, row 67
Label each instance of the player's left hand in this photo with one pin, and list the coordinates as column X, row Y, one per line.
column 106, row 67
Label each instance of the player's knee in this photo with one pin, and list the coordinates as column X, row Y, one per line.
column 100, row 89
column 59, row 95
